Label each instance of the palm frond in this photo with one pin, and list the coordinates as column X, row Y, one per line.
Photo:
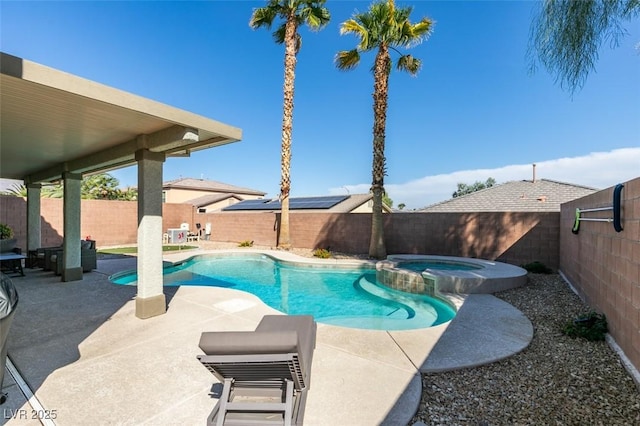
column 410, row 35
column 263, row 17
column 315, row 16
column 278, row 35
column 424, row 28
column 17, row 190
column 351, row 26
column 409, row 63
column 298, row 43
column 310, row 12
column 402, row 14
column 347, row 59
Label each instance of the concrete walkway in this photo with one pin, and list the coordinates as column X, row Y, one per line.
column 89, row 360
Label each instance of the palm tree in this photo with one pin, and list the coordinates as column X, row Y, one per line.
column 17, row 190
column 294, row 13
column 383, row 28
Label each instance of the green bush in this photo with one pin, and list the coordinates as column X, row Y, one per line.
column 245, row 243
column 591, row 326
column 537, row 268
column 322, row 253
column 5, row 232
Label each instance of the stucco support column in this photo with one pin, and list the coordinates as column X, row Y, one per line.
column 34, row 224
column 150, row 300
column 71, row 265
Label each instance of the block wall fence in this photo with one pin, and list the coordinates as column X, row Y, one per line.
column 516, row 238
column 509, row 237
column 604, row 265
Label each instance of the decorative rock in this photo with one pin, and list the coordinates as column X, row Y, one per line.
column 555, row 380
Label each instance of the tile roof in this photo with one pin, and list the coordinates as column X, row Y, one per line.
column 516, row 196
column 351, row 203
column 209, row 185
column 206, row 200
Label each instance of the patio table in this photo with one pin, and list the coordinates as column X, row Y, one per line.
column 12, row 261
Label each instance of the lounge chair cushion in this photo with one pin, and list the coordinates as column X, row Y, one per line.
column 249, row 342
column 303, row 325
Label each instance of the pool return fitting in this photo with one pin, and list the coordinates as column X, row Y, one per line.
column 615, row 207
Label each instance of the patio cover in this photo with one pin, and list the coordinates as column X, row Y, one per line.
column 54, row 122
column 57, row 126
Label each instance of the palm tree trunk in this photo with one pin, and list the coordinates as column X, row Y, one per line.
column 284, row 238
column 377, row 249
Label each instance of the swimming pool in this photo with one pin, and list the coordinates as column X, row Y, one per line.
column 348, row 297
column 421, row 265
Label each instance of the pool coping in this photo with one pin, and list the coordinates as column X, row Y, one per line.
column 491, row 277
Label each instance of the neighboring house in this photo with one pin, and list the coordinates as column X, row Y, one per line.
column 206, row 195
column 214, row 202
column 516, row 196
column 353, row 203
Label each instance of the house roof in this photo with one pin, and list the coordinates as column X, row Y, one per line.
column 518, row 196
column 206, row 200
column 209, row 185
column 328, row 203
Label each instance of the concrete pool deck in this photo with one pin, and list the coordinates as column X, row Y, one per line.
column 86, row 357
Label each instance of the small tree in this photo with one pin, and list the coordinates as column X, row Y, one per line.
column 5, row 232
column 386, row 200
column 102, row 186
column 464, row 189
column 567, row 34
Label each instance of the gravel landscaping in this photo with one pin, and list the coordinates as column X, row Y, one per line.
column 555, row 380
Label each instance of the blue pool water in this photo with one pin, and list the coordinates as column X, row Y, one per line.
column 345, row 297
column 421, row 265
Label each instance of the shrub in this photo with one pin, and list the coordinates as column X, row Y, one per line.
column 537, row 268
column 322, row 253
column 245, row 243
column 591, row 326
column 5, row 232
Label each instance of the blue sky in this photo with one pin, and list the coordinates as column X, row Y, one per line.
column 473, row 112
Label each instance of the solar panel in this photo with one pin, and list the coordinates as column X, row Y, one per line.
column 316, row 202
column 248, row 205
column 298, row 203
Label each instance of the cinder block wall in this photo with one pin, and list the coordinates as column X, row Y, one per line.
column 108, row 222
column 516, row 238
column 13, row 212
column 604, row 265
column 258, row 227
column 511, row 237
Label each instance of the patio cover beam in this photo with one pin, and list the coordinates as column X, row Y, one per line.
column 122, row 155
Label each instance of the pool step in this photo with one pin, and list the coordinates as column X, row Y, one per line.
column 398, row 310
